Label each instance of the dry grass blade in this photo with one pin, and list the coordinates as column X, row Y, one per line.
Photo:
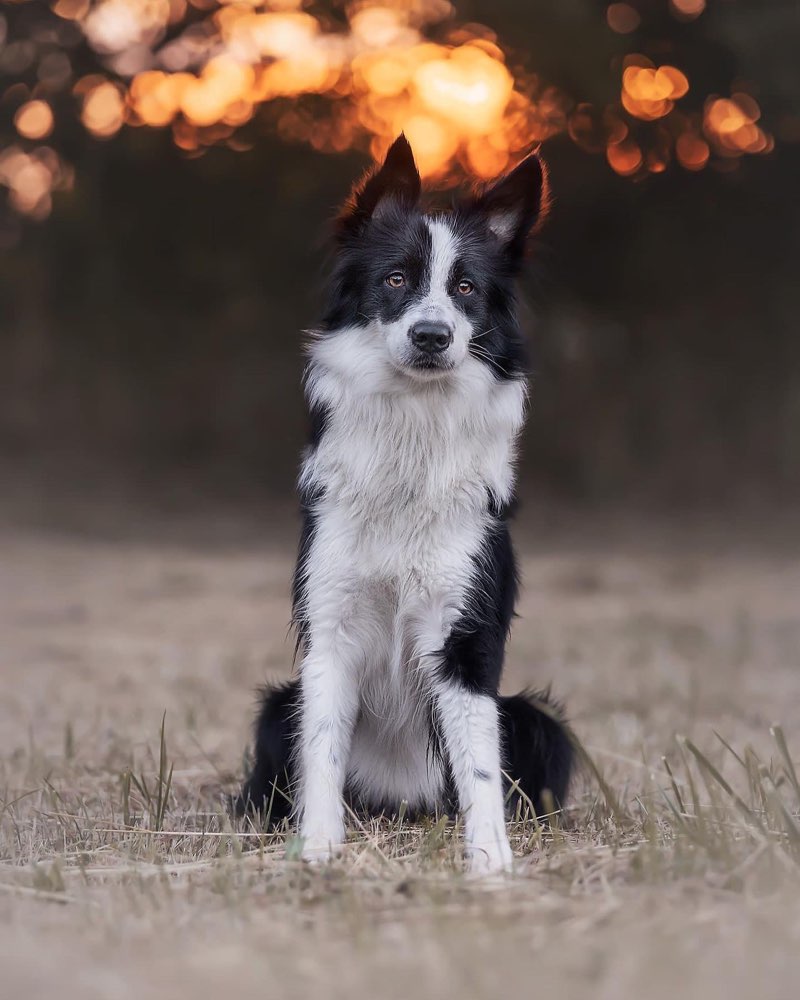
column 708, row 770
column 675, row 790
column 777, row 734
column 611, row 800
column 730, row 749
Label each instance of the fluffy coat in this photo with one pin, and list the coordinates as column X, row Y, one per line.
column 405, row 582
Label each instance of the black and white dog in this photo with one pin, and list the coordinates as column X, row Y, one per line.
column 405, row 582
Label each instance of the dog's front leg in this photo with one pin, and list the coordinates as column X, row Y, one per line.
column 329, row 705
column 469, row 727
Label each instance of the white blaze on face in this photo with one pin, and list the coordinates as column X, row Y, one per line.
column 443, row 256
column 436, row 304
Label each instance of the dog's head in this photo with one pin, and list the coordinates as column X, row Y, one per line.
column 429, row 291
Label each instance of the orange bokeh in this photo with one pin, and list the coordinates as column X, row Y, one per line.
column 625, row 157
column 103, row 110
column 623, row 18
column 649, row 92
column 730, row 125
column 692, row 151
column 687, row 10
column 456, row 99
column 34, row 120
column 208, row 69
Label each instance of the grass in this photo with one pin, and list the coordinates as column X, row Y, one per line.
column 684, row 819
column 128, row 676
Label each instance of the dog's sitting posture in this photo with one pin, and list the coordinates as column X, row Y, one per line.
column 405, row 581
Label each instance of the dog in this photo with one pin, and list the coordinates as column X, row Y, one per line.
column 405, row 582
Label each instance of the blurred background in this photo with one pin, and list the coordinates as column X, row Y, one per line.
column 168, row 169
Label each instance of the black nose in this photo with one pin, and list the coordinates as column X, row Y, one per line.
column 431, row 337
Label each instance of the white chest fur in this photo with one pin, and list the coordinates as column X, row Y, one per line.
column 407, row 466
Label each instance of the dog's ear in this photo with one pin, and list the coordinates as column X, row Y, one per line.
column 516, row 204
column 398, row 180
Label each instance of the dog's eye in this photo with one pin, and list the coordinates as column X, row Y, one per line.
column 465, row 287
column 396, row 279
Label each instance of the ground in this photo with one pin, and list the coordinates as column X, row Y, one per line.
column 675, row 871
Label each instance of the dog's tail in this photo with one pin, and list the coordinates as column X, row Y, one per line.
column 269, row 788
column 539, row 751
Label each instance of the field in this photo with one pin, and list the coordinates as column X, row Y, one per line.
column 131, row 648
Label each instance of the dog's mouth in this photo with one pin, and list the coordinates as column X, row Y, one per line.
column 428, row 365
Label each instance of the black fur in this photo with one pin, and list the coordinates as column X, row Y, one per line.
column 537, row 751
column 268, row 790
column 475, row 649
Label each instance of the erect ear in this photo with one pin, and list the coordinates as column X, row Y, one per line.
column 516, row 204
column 398, row 180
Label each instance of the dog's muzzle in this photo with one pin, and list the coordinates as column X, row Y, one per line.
column 431, row 337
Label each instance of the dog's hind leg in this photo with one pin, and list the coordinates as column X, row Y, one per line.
column 269, row 789
column 537, row 750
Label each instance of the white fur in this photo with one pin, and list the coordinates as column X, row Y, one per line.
column 503, row 224
column 471, row 737
column 403, row 471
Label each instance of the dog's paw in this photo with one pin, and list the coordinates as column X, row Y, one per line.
column 490, row 857
column 320, row 848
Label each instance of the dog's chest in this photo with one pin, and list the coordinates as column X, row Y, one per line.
column 407, row 480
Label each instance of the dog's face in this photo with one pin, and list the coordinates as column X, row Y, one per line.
column 430, row 291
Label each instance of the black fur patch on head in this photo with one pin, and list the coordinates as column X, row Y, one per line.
column 491, row 306
column 396, row 181
column 515, row 206
column 397, row 240
column 382, row 230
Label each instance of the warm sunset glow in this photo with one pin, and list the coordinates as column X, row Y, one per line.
column 223, row 71
column 155, row 97
column 456, row 99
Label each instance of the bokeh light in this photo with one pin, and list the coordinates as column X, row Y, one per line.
column 103, row 110
column 623, row 18
column 649, row 92
column 730, row 125
column 625, row 157
column 32, row 177
column 221, row 71
column 34, row 119
column 687, row 10
column 692, row 151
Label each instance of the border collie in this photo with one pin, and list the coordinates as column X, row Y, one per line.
column 405, row 582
